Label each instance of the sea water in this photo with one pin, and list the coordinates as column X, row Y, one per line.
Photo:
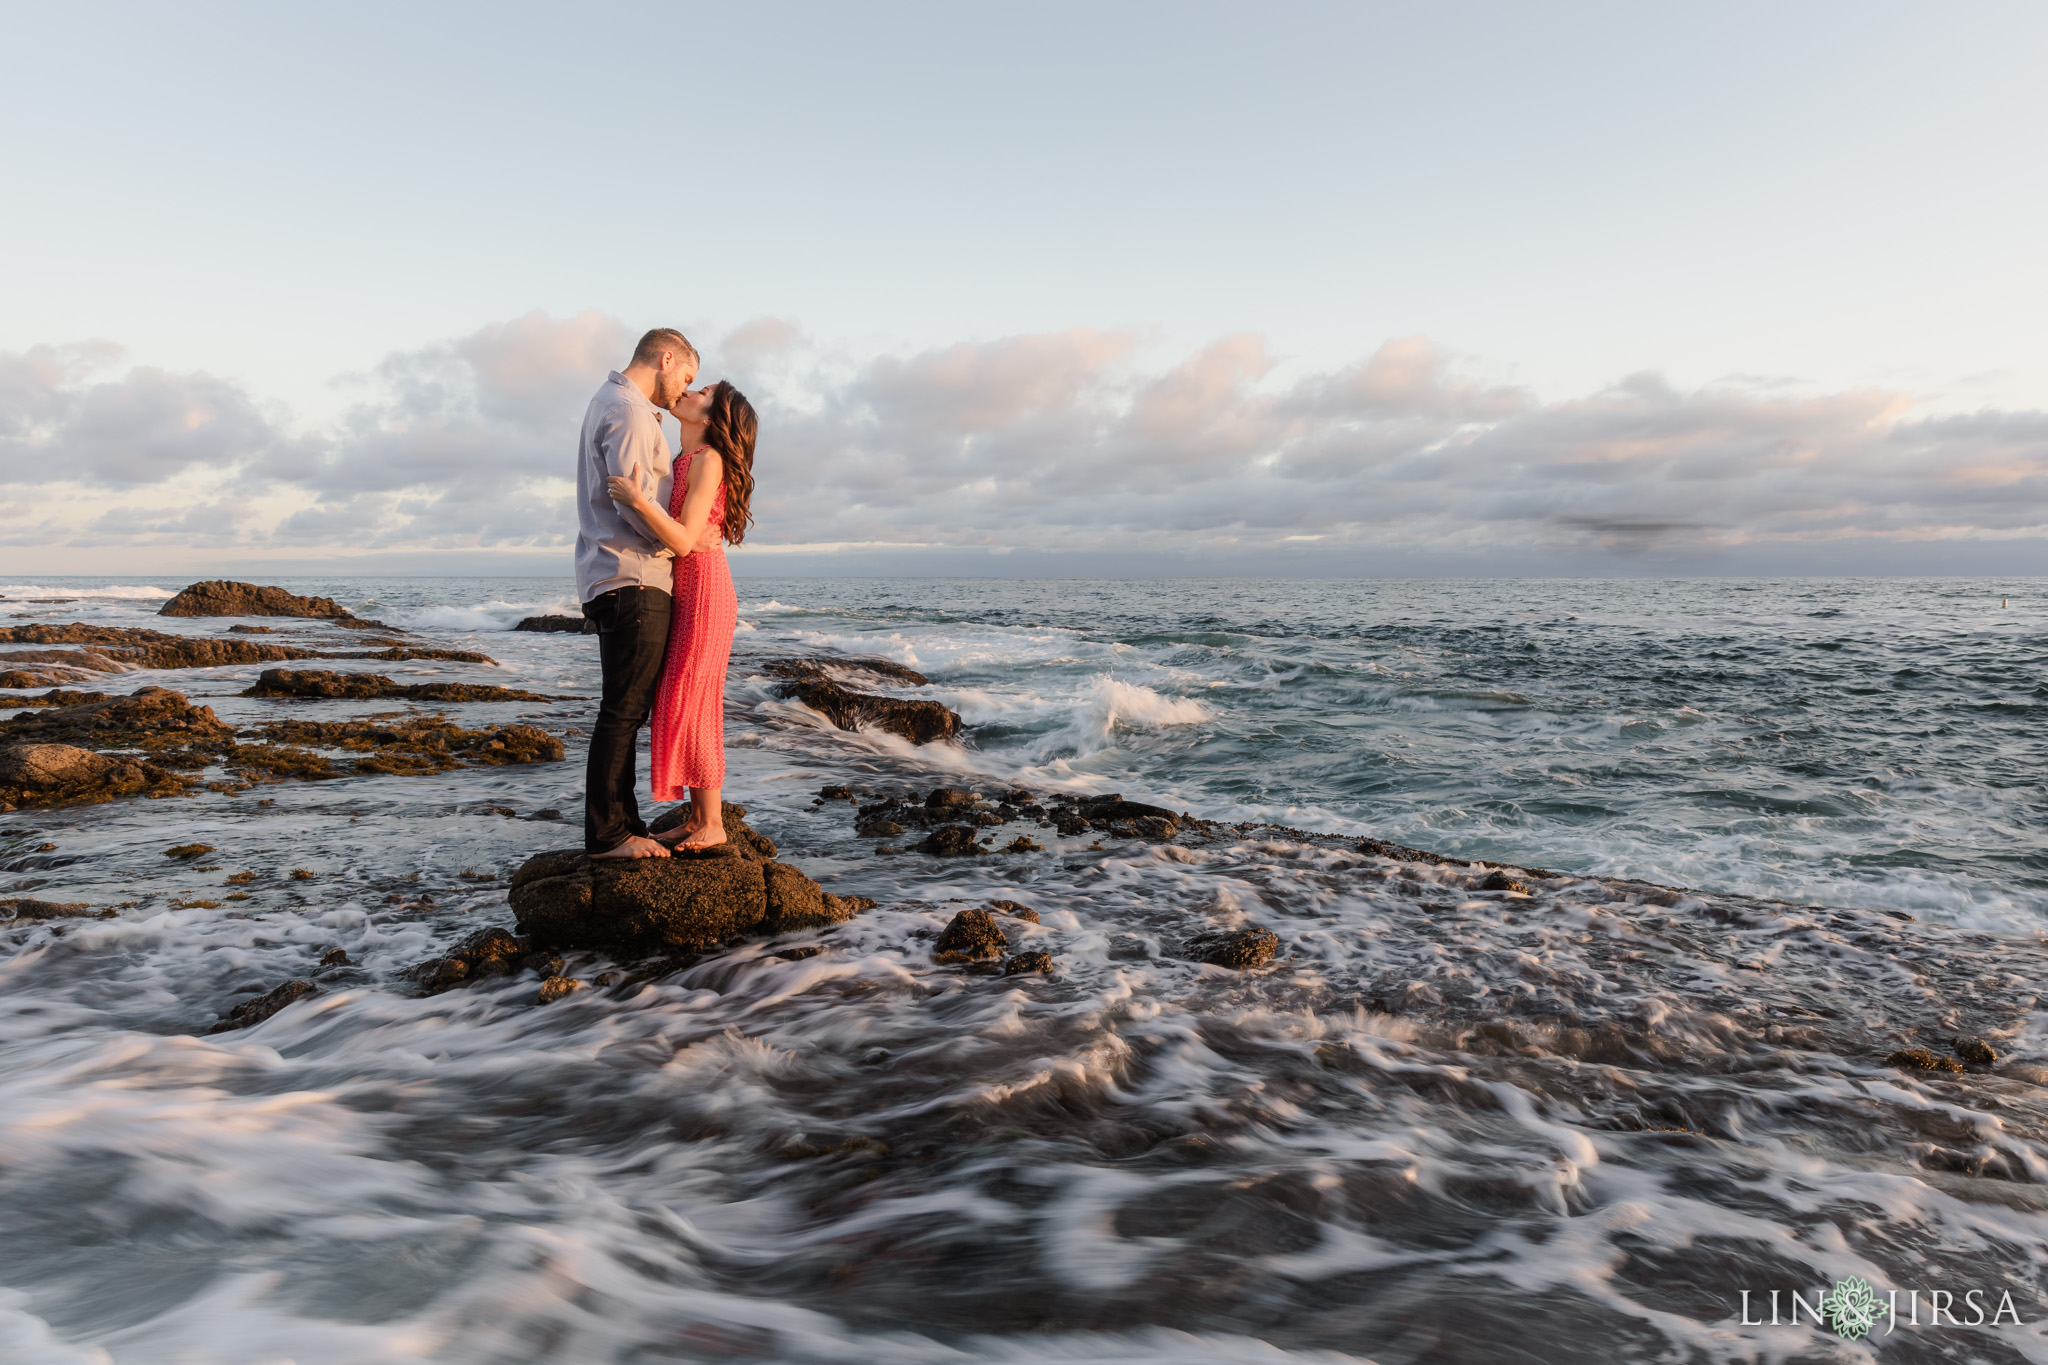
column 860, row 1156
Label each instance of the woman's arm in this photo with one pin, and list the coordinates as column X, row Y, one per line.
column 692, row 533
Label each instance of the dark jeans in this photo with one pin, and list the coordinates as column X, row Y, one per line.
column 632, row 643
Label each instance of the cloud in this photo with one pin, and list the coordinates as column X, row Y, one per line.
column 1071, row 442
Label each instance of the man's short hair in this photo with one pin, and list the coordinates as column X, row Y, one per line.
column 648, row 352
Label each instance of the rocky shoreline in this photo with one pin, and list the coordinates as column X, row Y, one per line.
column 1738, row 975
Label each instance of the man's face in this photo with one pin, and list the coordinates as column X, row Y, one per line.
column 673, row 379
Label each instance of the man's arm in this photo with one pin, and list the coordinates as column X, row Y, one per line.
column 634, row 448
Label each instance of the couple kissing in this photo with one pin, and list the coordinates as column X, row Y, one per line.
column 651, row 573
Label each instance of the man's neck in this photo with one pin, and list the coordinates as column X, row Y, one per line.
column 641, row 377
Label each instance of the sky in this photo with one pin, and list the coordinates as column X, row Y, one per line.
column 1109, row 288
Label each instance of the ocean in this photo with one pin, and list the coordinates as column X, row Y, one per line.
column 1775, row 830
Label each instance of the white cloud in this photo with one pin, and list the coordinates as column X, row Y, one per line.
column 1066, row 441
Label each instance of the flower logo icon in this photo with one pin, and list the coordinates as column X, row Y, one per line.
column 1851, row 1307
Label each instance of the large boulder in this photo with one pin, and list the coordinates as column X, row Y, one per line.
column 688, row 903
column 558, row 625
column 920, row 722
column 220, row 597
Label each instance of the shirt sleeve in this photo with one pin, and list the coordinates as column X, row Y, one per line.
column 633, row 447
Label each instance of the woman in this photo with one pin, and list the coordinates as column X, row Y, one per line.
column 714, row 484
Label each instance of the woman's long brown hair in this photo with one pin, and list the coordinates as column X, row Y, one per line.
column 730, row 430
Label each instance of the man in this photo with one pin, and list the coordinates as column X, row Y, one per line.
column 624, row 576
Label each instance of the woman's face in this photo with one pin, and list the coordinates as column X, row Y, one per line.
column 694, row 407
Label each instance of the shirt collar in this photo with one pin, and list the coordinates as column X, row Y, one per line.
column 633, row 393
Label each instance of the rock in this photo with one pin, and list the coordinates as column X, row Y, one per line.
column 58, row 696
column 1023, row 843
column 334, row 957
column 740, row 838
column 1067, row 824
column 835, row 793
column 307, row 684
column 43, row 766
column 1498, row 880
column 949, row 798
column 950, row 841
column 1028, row 962
column 152, row 718
column 836, row 669
column 797, row 902
column 972, row 936
column 557, row 988
column 1246, row 948
column 223, row 598
column 187, row 850
column 485, row 953
column 39, row 910
column 416, row 745
column 558, row 625
column 36, row 677
column 879, row 829
column 1976, row 1051
column 1920, row 1059
column 920, row 722
column 548, row 814
column 251, row 1012
column 639, row 905
column 1023, row 912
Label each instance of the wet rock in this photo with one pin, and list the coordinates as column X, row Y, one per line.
column 484, row 954
column 1920, row 1059
column 1068, row 824
column 558, row 625
column 221, row 597
column 690, row 904
column 548, row 814
column 417, row 745
column 1028, row 962
column 950, row 841
column 123, row 647
column 26, row 909
column 1013, row 909
column 36, row 677
column 835, row 793
column 259, row 630
column 1103, row 811
column 949, row 798
column 155, row 719
column 833, row 669
column 1246, row 948
column 334, row 957
column 971, row 936
column 1498, row 880
column 798, row 954
column 41, row 767
column 797, row 902
column 187, row 850
column 1022, row 844
column 879, row 829
column 558, row 988
column 920, row 722
column 307, row 684
column 401, row 653
column 251, row 1012
column 1976, row 1051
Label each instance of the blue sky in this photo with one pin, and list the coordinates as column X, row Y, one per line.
column 1752, row 287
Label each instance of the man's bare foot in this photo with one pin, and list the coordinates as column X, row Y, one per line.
column 634, row 846
column 707, row 836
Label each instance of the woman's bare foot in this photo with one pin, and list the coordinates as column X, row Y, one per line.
column 634, row 846
column 669, row 838
column 706, row 836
